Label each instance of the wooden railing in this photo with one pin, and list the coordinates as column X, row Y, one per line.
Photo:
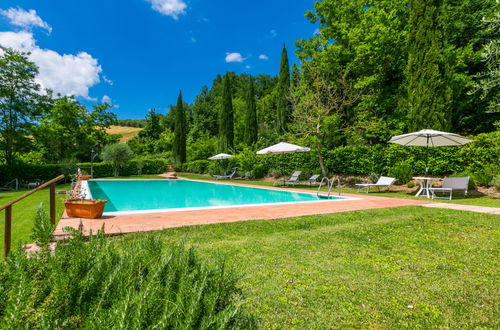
column 8, row 211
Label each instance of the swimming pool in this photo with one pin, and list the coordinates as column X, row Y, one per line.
column 147, row 196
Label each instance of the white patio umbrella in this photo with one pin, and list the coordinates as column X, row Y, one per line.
column 221, row 156
column 429, row 138
column 282, row 148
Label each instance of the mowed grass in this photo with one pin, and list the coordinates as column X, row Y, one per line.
column 472, row 199
column 127, row 133
column 23, row 213
column 388, row 268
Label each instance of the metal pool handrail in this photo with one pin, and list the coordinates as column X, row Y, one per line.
column 329, row 184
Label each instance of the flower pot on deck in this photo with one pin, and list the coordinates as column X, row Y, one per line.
column 90, row 209
column 84, row 177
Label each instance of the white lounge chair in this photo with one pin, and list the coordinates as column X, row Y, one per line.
column 450, row 185
column 311, row 180
column 227, row 177
column 383, row 181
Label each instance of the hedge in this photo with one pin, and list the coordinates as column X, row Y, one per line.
column 347, row 160
column 28, row 172
column 367, row 159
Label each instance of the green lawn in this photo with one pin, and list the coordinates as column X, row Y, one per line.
column 472, row 199
column 386, row 268
column 24, row 211
column 398, row 267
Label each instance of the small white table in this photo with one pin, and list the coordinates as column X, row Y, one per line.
column 425, row 185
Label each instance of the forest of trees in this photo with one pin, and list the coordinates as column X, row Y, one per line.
column 374, row 69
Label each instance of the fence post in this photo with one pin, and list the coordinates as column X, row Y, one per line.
column 53, row 203
column 7, row 232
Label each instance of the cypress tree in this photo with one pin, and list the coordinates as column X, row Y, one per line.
column 251, row 128
column 429, row 92
column 283, row 103
column 180, row 131
column 226, row 117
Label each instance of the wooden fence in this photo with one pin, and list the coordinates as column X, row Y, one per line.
column 8, row 210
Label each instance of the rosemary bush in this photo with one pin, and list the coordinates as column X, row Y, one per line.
column 42, row 230
column 104, row 284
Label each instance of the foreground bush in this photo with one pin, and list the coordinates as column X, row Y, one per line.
column 101, row 284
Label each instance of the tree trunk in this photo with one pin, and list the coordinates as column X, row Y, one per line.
column 320, row 159
column 319, row 148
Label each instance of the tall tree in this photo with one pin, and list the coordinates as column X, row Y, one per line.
column 226, row 117
column 70, row 131
column 251, row 126
column 19, row 100
column 429, row 93
column 180, row 131
column 153, row 127
column 283, row 103
column 320, row 101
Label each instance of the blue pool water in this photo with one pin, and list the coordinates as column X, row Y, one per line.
column 137, row 195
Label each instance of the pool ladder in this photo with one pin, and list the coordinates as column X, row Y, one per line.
column 329, row 183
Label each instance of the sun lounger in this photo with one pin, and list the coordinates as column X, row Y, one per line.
column 294, row 178
column 450, row 185
column 32, row 185
column 383, row 181
column 227, row 177
column 311, row 180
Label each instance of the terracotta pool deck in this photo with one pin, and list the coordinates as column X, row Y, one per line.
column 131, row 223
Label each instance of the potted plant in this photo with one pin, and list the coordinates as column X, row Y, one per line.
column 77, row 206
column 84, row 176
column 84, row 208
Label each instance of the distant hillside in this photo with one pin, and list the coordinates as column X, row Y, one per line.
column 127, row 133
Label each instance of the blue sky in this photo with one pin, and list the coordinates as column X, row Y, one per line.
column 140, row 53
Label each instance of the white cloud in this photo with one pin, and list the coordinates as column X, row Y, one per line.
column 317, row 31
column 106, row 99
column 66, row 74
column 172, row 8
column 25, row 19
column 273, row 33
column 107, row 80
column 263, row 57
column 248, row 67
column 234, row 57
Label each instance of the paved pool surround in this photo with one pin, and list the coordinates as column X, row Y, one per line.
column 144, row 222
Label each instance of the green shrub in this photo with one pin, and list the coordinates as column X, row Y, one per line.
column 196, row 166
column 403, row 172
column 485, row 175
column 495, row 182
column 410, row 184
column 104, row 284
column 247, row 160
column 259, row 171
column 28, row 172
column 482, row 178
column 42, row 229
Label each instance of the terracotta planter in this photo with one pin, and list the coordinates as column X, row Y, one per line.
column 84, row 177
column 89, row 209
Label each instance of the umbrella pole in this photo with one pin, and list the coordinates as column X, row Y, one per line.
column 427, row 156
